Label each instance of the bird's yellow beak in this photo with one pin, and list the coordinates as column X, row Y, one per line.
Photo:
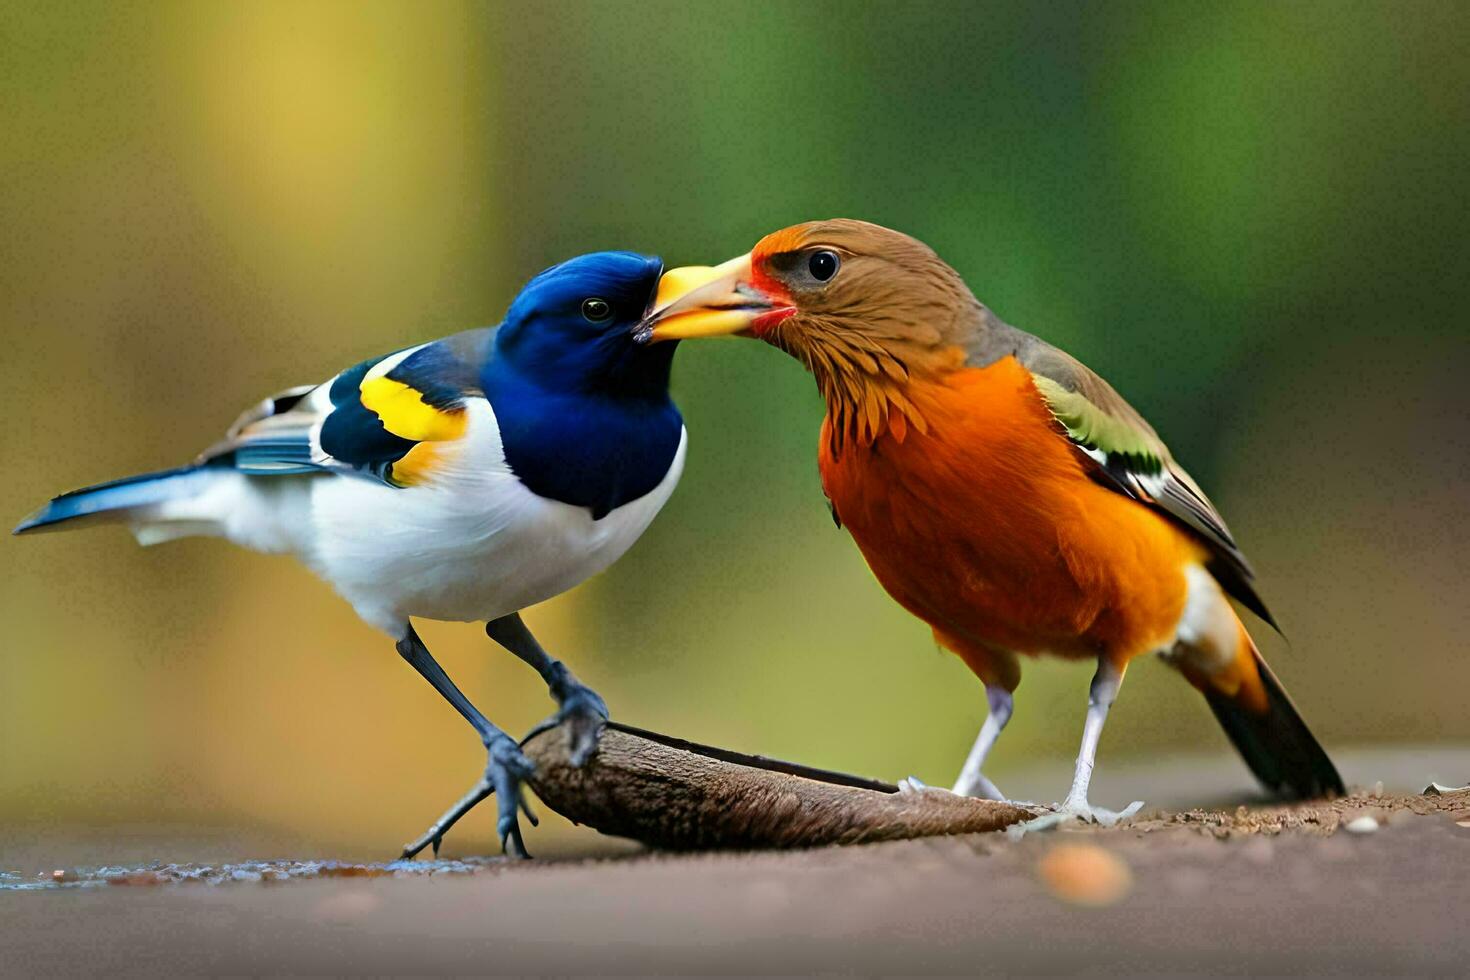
column 705, row 301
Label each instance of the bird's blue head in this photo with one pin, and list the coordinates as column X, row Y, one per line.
column 571, row 328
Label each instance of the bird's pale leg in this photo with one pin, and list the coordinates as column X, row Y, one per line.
column 582, row 709
column 506, row 768
column 1100, row 697
column 971, row 781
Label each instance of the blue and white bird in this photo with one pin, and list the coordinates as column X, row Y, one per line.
column 463, row 479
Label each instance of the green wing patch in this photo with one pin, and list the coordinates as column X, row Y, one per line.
column 1093, row 428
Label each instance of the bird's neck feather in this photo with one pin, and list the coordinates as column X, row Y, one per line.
column 875, row 375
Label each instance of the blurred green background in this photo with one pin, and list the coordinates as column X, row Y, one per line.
column 1251, row 217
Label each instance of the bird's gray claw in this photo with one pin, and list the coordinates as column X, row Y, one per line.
column 506, row 755
column 584, row 715
column 505, row 771
column 509, row 768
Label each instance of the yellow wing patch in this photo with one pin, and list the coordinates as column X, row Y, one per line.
column 404, row 413
column 418, row 465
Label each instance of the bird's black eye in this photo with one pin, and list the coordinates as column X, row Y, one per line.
column 596, row 310
column 823, row 265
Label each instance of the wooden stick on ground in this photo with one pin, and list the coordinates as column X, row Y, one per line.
column 666, row 792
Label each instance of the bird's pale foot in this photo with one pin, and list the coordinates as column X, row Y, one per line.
column 505, row 771
column 1074, row 811
column 979, row 788
column 584, row 714
column 912, row 784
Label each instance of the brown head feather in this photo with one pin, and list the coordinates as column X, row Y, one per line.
column 893, row 315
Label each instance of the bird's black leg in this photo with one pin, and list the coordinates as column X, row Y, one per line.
column 582, row 709
column 503, row 773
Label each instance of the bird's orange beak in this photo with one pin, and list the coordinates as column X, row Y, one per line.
column 707, row 301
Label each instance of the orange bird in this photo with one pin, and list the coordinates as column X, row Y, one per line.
column 1001, row 491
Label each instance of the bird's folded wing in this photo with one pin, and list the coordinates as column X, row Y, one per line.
column 271, row 436
column 1132, row 459
column 384, row 419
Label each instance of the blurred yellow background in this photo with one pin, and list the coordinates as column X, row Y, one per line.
column 1250, row 217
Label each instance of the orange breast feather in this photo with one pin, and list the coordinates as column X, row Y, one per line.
column 988, row 527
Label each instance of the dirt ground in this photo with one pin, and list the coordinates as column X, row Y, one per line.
column 1377, row 883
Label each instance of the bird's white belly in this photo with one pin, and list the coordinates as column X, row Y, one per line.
column 474, row 544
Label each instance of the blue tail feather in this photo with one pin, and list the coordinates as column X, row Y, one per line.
column 117, row 495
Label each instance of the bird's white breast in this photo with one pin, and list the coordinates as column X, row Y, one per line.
column 472, row 543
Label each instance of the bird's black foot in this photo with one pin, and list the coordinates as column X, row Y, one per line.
column 506, row 770
column 584, row 714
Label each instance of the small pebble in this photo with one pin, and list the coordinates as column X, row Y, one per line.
column 1085, row 874
column 1361, row 825
column 1439, row 789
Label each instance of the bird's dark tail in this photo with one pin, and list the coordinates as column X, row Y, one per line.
column 120, row 501
column 1268, row 731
